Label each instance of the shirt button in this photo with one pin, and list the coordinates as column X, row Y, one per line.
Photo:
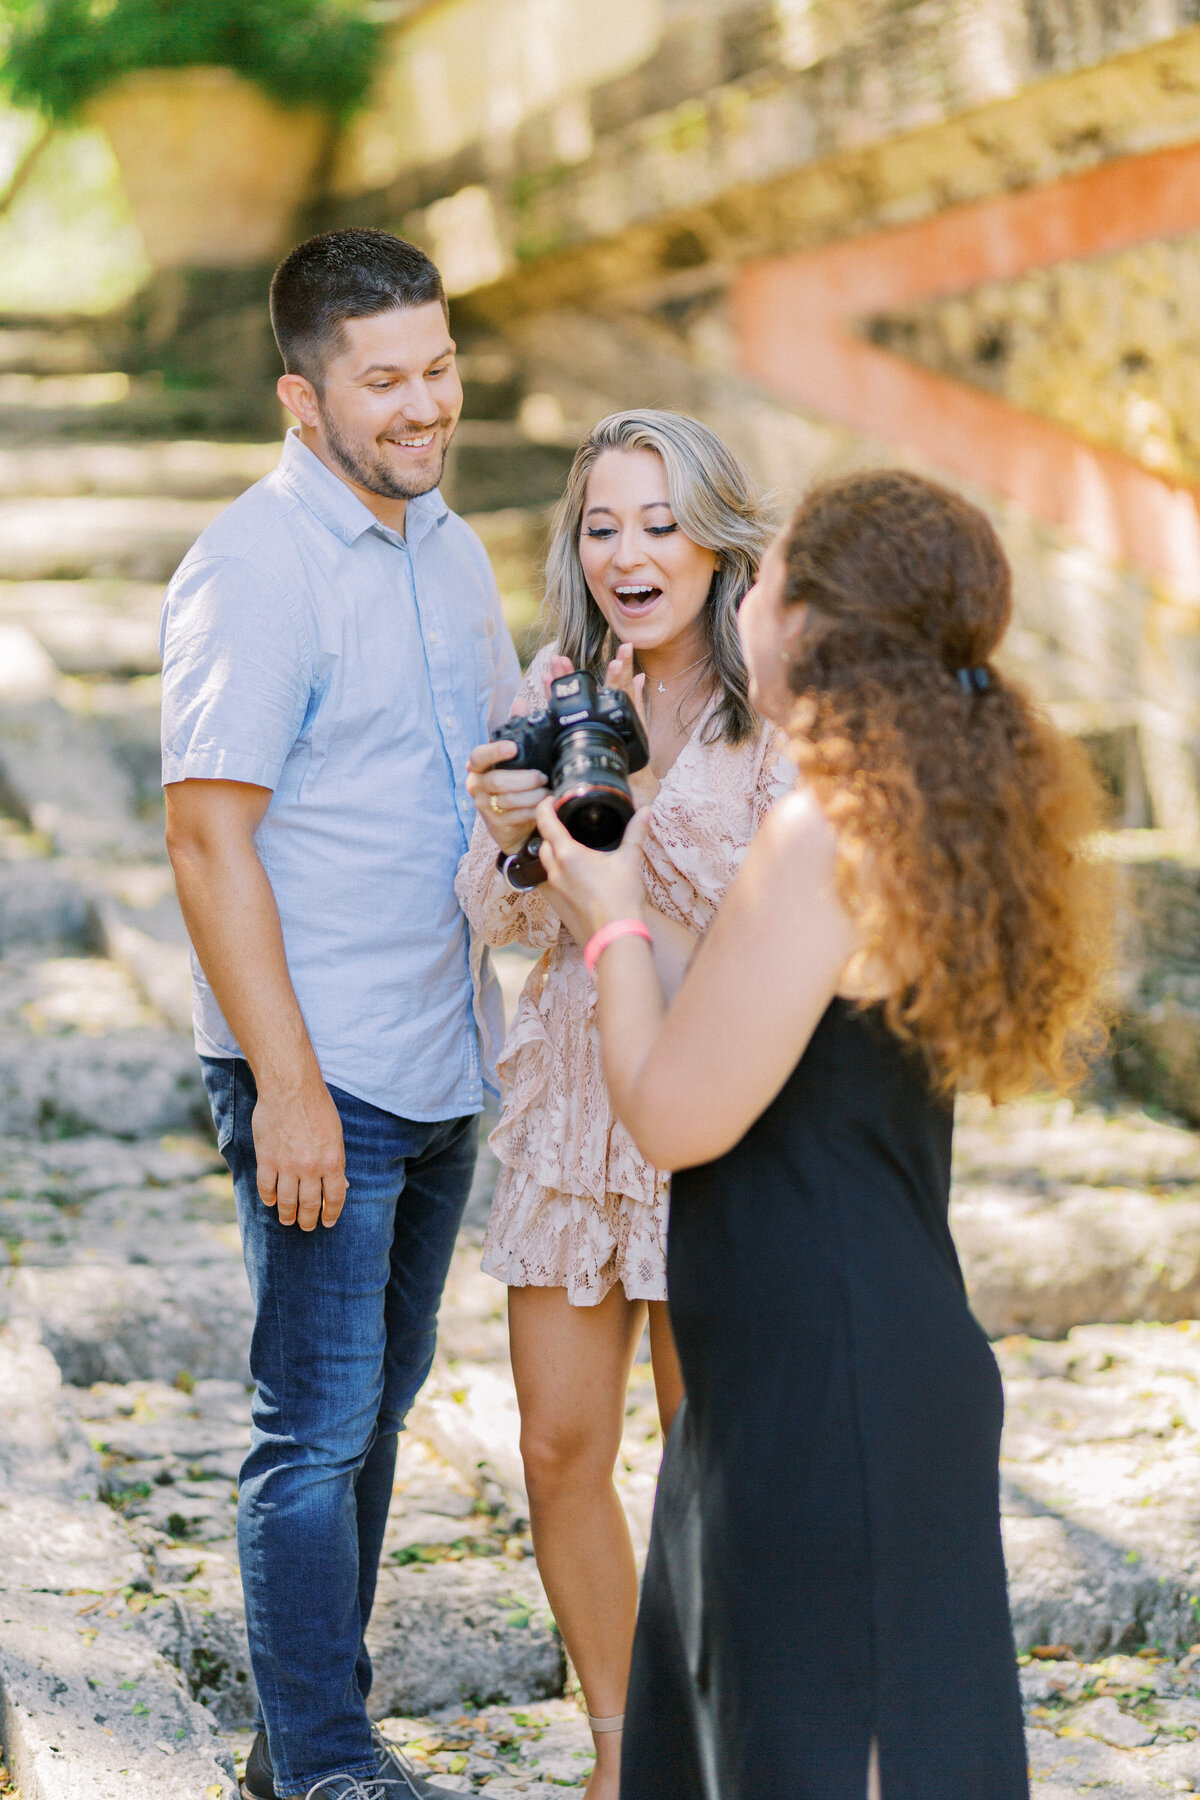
column 433, row 637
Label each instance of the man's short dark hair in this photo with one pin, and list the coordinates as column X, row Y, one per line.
column 338, row 276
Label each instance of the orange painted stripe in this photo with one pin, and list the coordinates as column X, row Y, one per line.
column 794, row 316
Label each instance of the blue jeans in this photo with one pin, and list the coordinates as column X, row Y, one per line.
column 344, row 1335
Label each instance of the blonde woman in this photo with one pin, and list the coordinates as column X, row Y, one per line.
column 655, row 542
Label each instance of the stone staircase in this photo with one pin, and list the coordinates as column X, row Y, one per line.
column 124, row 1314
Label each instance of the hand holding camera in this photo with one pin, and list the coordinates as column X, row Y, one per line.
column 506, row 798
column 585, row 745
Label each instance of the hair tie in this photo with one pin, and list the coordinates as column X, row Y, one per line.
column 973, row 681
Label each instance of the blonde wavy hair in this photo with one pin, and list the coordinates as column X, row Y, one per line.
column 963, row 815
column 715, row 504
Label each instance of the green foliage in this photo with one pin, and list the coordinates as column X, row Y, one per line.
column 299, row 52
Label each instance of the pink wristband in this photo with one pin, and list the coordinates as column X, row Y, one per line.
column 608, row 934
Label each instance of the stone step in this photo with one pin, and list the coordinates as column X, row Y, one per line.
column 36, row 348
column 61, row 767
column 460, row 1612
column 42, row 902
column 56, row 409
column 1065, row 1216
column 82, row 1052
column 60, row 770
column 134, row 1323
column 92, row 1709
column 1101, row 1485
column 491, row 471
column 187, row 470
column 133, row 1083
column 536, row 1750
column 141, row 538
column 85, row 390
column 125, row 1257
column 78, row 780
column 89, row 627
column 1043, row 1263
column 102, row 1202
column 139, row 925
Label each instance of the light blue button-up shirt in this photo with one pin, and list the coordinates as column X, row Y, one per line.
column 310, row 650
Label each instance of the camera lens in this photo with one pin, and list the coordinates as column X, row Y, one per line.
column 591, row 790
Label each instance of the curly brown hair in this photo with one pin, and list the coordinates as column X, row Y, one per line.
column 962, row 813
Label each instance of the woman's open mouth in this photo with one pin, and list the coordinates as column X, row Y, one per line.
column 636, row 597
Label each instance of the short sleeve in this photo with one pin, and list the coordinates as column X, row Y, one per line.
column 236, row 674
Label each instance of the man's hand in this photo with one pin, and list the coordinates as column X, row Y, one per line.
column 300, row 1154
column 233, row 921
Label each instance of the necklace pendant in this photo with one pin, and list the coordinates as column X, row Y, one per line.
column 661, row 688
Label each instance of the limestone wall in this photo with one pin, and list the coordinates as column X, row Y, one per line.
column 1109, row 346
column 596, row 183
column 858, row 112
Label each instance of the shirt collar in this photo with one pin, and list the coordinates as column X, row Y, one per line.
column 329, row 499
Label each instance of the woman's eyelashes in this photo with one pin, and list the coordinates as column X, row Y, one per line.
column 607, row 531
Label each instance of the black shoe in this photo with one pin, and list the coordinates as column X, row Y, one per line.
column 258, row 1783
column 401, row 1780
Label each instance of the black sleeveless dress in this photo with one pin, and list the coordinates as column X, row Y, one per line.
column 825, row 1565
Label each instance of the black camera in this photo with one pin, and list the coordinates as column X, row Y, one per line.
column 587, row 743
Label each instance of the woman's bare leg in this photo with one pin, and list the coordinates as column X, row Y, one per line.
column 668, row 1377
column 571, row 1365
column 874, row 1791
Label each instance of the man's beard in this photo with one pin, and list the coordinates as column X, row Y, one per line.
column 374, row 475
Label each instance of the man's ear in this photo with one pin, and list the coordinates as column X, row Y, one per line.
column 300, row 397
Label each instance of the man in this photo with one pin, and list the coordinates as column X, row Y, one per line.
column 333, row 647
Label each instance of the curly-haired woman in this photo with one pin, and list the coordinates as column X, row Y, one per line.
column 824, row 1614
column 654, row 545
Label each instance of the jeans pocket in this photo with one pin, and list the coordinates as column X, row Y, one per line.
column 221, row 1088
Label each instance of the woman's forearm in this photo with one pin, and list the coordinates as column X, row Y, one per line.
column 630, row 1011
column 497, row 913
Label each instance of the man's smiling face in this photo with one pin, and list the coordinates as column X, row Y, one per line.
column 389, row 401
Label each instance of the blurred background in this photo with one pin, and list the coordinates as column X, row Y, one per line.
column 963, row 235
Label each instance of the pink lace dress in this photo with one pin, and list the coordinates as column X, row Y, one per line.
column 576, row 1206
